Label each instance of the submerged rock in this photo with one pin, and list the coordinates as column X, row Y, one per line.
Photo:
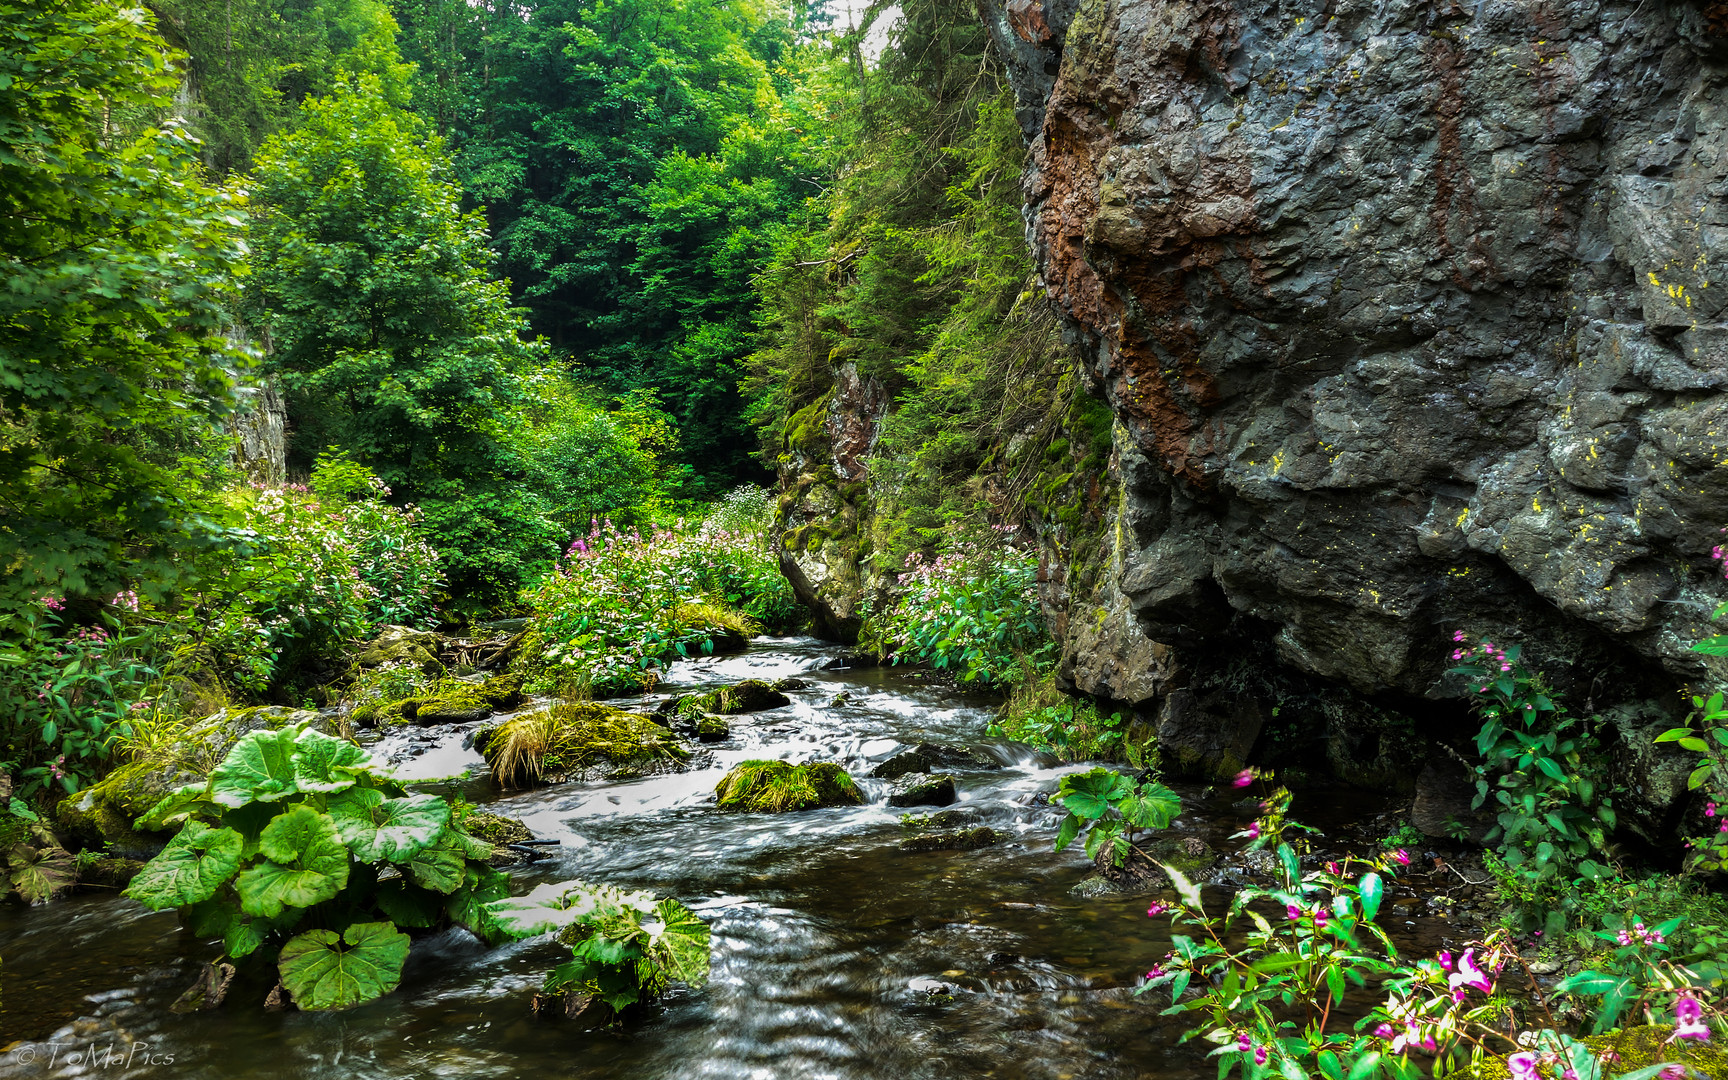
column 928, row 757
column 775, row 786
column 580, row 740
column 958, row 840
column 916, row 789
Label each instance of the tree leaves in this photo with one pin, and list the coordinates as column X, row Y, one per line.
column 197, row 862
column 324, row 971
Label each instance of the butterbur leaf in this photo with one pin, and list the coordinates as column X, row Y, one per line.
column 259, row 768
column 190, row 869
column 1090, row 794
column 40, row 872
column 469, row 846
column 680, row 945
column 388, row 830
column 437, row 866
column 324, row 971
column 177, row 806
column 1153, row 807
column 327, row 764
column 316, row 870
column 467, row 905
column 1067, row 831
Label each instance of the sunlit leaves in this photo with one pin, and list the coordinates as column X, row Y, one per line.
column 326, row 971
column 190, row 869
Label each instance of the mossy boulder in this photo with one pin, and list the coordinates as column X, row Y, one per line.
column 579, row 740
column 713, row 729
column 972, row 839
column 751, row 695
column 928, row 757
column 917, row 789
column 453, row 701
column 110, row 873
column 403, row 645
column 104, row 813
column 776, row 786
column 1639, row 1048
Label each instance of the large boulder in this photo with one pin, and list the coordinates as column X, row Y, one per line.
column 105, row 812
column 405, row 646
column 928, row 757
column 918, row 789
column 751, row 695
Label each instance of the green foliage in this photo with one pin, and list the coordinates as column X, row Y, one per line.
column 392, row 341
column 1070, row 727
column 300, row 849
column 624, row 603
column 1552, row 814
column 67, row 691
column 626, row 947
column 119, row 261
column 1709, row 852
column 973, row 612
column 1109, row 807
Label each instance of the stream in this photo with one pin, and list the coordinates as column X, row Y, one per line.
column 835, row 953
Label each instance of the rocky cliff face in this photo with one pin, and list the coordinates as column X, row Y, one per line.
column 1413, row 316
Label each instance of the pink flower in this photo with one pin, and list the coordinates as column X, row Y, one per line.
column 1401, row 857
column 1293, row 912
column 1254, row 830
column 1458, row 635
column 1689, row 1019
column 1446, row 961
column 1384, row 1031
column 1156, row 972
column 1243, row 1042
column 1320, row 917
column 1243, row 778
column 1158, row 908
column 1523, row 1066
column 1259, row 1055
column 1469, row 975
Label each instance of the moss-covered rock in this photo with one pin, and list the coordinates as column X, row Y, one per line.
column 751, row 695
column 403, row 645
column 495, row 828
column 1639, row 1048
column 713, row 729
column 775, row 786
column 452, row 701
column 111, row 873
column 105, row 812
column 917, row 789
column 582, row 740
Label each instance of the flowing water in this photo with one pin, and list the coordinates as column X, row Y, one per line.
column 835, row 953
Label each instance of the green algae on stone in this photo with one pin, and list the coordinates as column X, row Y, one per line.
column 580, row 740
column 777, row 786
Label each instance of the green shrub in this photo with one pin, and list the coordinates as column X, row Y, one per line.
column 1070, row 727
column 972, row 612
column 624, row 604
column 67, row 691
column 299, row 850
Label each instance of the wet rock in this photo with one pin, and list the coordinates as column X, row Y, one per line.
column 933, row 987
column 453, row 701
column 783, row 685
column 110, row 873
column 844, row 697
column 916, row 789
column 104, row 812
column 777, row 786
column 950, row 819
column 928, row 757
column 713, row 729
column 751, row 695
column 957, row 840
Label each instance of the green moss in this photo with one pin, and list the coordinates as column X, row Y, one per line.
column 579, row 740
column 777, row 786
column 494, row 828
column 1639, row 1048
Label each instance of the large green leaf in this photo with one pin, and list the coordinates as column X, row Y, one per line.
column 326, row 764
column 190, row 869
column 40, row 872
column 313, row 869
column 407, row 904
column 1091, row 794
column 438, row 866
column 467, row 905
column 678, row 942
column 323, row 971
column 179, row 805
column 260, row 768
column 388, row 830
column 1153, row 806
